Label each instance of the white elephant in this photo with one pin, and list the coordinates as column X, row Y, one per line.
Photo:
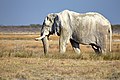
column 88, row 29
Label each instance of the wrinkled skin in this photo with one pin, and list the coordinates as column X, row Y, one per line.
column 88, row 29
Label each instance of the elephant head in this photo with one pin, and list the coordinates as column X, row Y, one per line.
column 50, row 26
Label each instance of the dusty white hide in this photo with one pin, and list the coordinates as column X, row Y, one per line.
column 89, row 28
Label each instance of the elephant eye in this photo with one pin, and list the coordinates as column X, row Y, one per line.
column 47, row 18
column 50, row 20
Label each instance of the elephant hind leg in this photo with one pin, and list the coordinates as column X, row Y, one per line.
column 96, row 48
column 75, row 46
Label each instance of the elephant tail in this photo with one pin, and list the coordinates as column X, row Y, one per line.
column 110, row 40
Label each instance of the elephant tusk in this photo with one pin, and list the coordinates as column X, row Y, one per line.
column 39, row 38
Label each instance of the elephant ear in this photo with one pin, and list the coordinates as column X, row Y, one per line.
column 56, row 25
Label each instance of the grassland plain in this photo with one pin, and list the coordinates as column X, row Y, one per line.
column 22, row 58
column 58, row 69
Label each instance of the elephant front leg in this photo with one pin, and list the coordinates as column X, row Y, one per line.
column 64, row 39
column 75, row 46
column 62, row 45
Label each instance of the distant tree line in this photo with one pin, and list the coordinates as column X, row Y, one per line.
column 115, row 28
column 39, row 25
column 22, row 26
column 37, row 28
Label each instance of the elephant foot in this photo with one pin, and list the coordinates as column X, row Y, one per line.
column 96, row 48
column 104, row 51
column 75, row 46
column 77, row 50
column 63, row 50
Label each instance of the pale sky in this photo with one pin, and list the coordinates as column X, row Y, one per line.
column 25, row 12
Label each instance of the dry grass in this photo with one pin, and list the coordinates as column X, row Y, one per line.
column 58, row 69
column 25, row 46
column 17, row 36
column 116, row 36
column 22, row 58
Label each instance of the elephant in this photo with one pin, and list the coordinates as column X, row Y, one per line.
column 90, row 28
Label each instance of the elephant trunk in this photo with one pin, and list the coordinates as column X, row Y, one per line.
column 45, row 44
